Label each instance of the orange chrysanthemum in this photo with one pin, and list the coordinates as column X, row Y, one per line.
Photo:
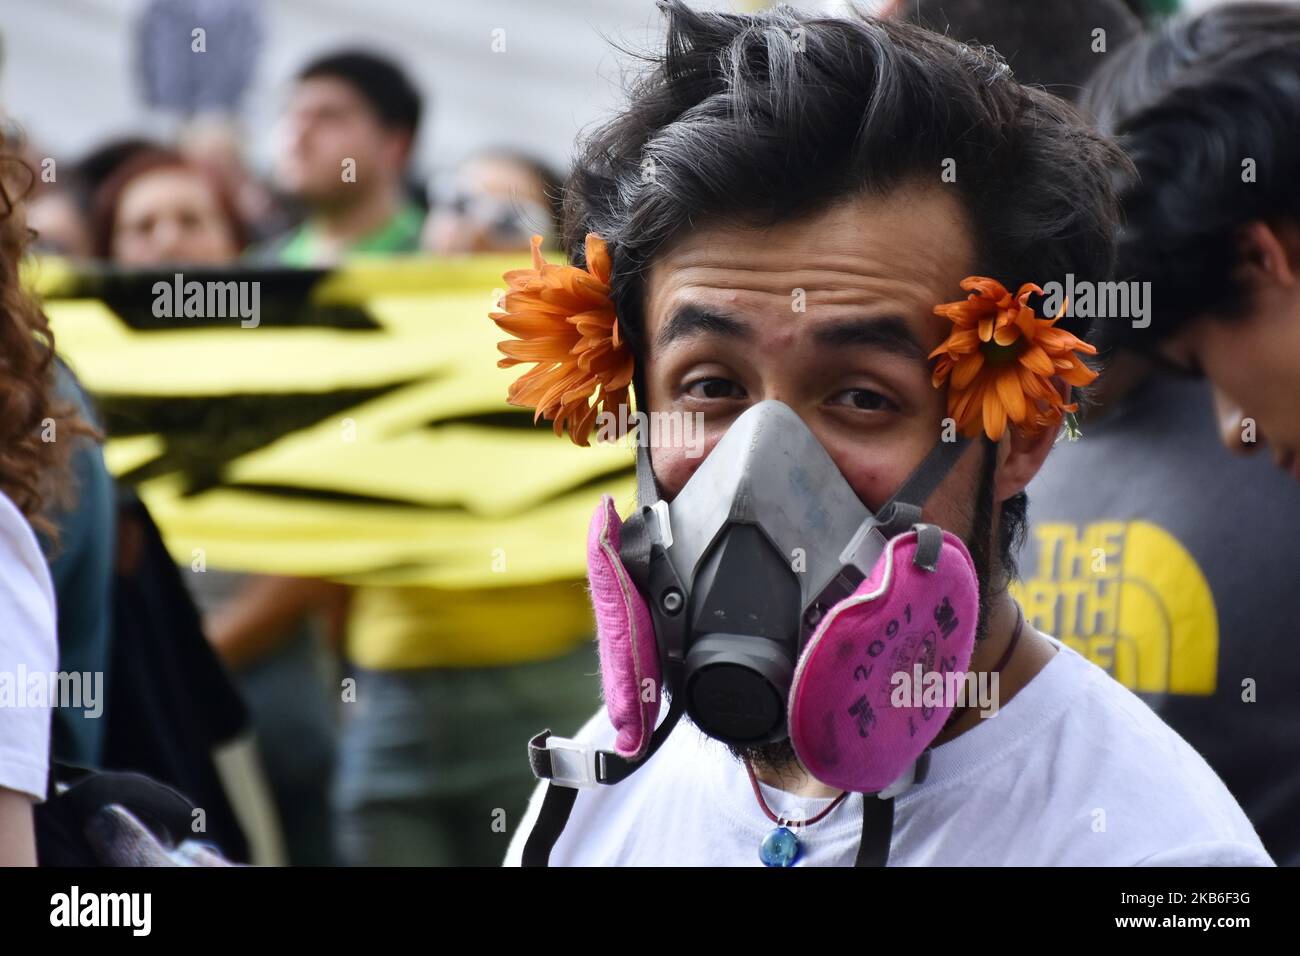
column 563, row 318
column 999, row 359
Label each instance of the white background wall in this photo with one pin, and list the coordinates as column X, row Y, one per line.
column 68, row 74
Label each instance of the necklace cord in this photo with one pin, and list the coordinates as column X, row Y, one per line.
column 780, row 821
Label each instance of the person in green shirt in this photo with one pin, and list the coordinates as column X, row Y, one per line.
column 344, row 145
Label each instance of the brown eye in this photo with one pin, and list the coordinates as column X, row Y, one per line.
column 714, row 388
column 864, row 399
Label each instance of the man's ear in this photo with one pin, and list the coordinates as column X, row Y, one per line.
column 1019, row 458
column 399, row 146
column 1267, row 255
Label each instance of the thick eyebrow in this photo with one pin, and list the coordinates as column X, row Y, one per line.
column 889, row 333
column 691, row 320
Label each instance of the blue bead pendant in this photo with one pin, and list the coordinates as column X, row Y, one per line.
column 780, row 848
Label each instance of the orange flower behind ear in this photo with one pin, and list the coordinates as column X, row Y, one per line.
column 563, row 318
column 999, row 359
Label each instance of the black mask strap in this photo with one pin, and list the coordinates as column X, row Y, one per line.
column 606, row 768
column 878, row 814
column 647, row 486
column 877, row 830
column 903, row 510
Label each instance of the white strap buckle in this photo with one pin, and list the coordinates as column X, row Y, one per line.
column 916, row 772
column 573, row 764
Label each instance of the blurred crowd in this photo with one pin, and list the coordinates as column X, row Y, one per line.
column 342, row 184
column 416, row 772
column 415, row 778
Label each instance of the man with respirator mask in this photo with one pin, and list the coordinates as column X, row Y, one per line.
column 773, row 239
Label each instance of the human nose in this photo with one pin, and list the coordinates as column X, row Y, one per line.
column 167, row 236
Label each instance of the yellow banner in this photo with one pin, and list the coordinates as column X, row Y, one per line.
column 348, row 424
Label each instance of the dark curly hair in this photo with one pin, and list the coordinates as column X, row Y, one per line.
column 1190, row 102
column 773, row 116
column 33, row 471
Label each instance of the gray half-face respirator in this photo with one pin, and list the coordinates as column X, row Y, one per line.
column 767, row 601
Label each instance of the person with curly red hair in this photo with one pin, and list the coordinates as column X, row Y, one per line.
column 32, row 476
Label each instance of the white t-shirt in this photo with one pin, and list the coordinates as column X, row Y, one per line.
column 28, row 652
column 1073, row 771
